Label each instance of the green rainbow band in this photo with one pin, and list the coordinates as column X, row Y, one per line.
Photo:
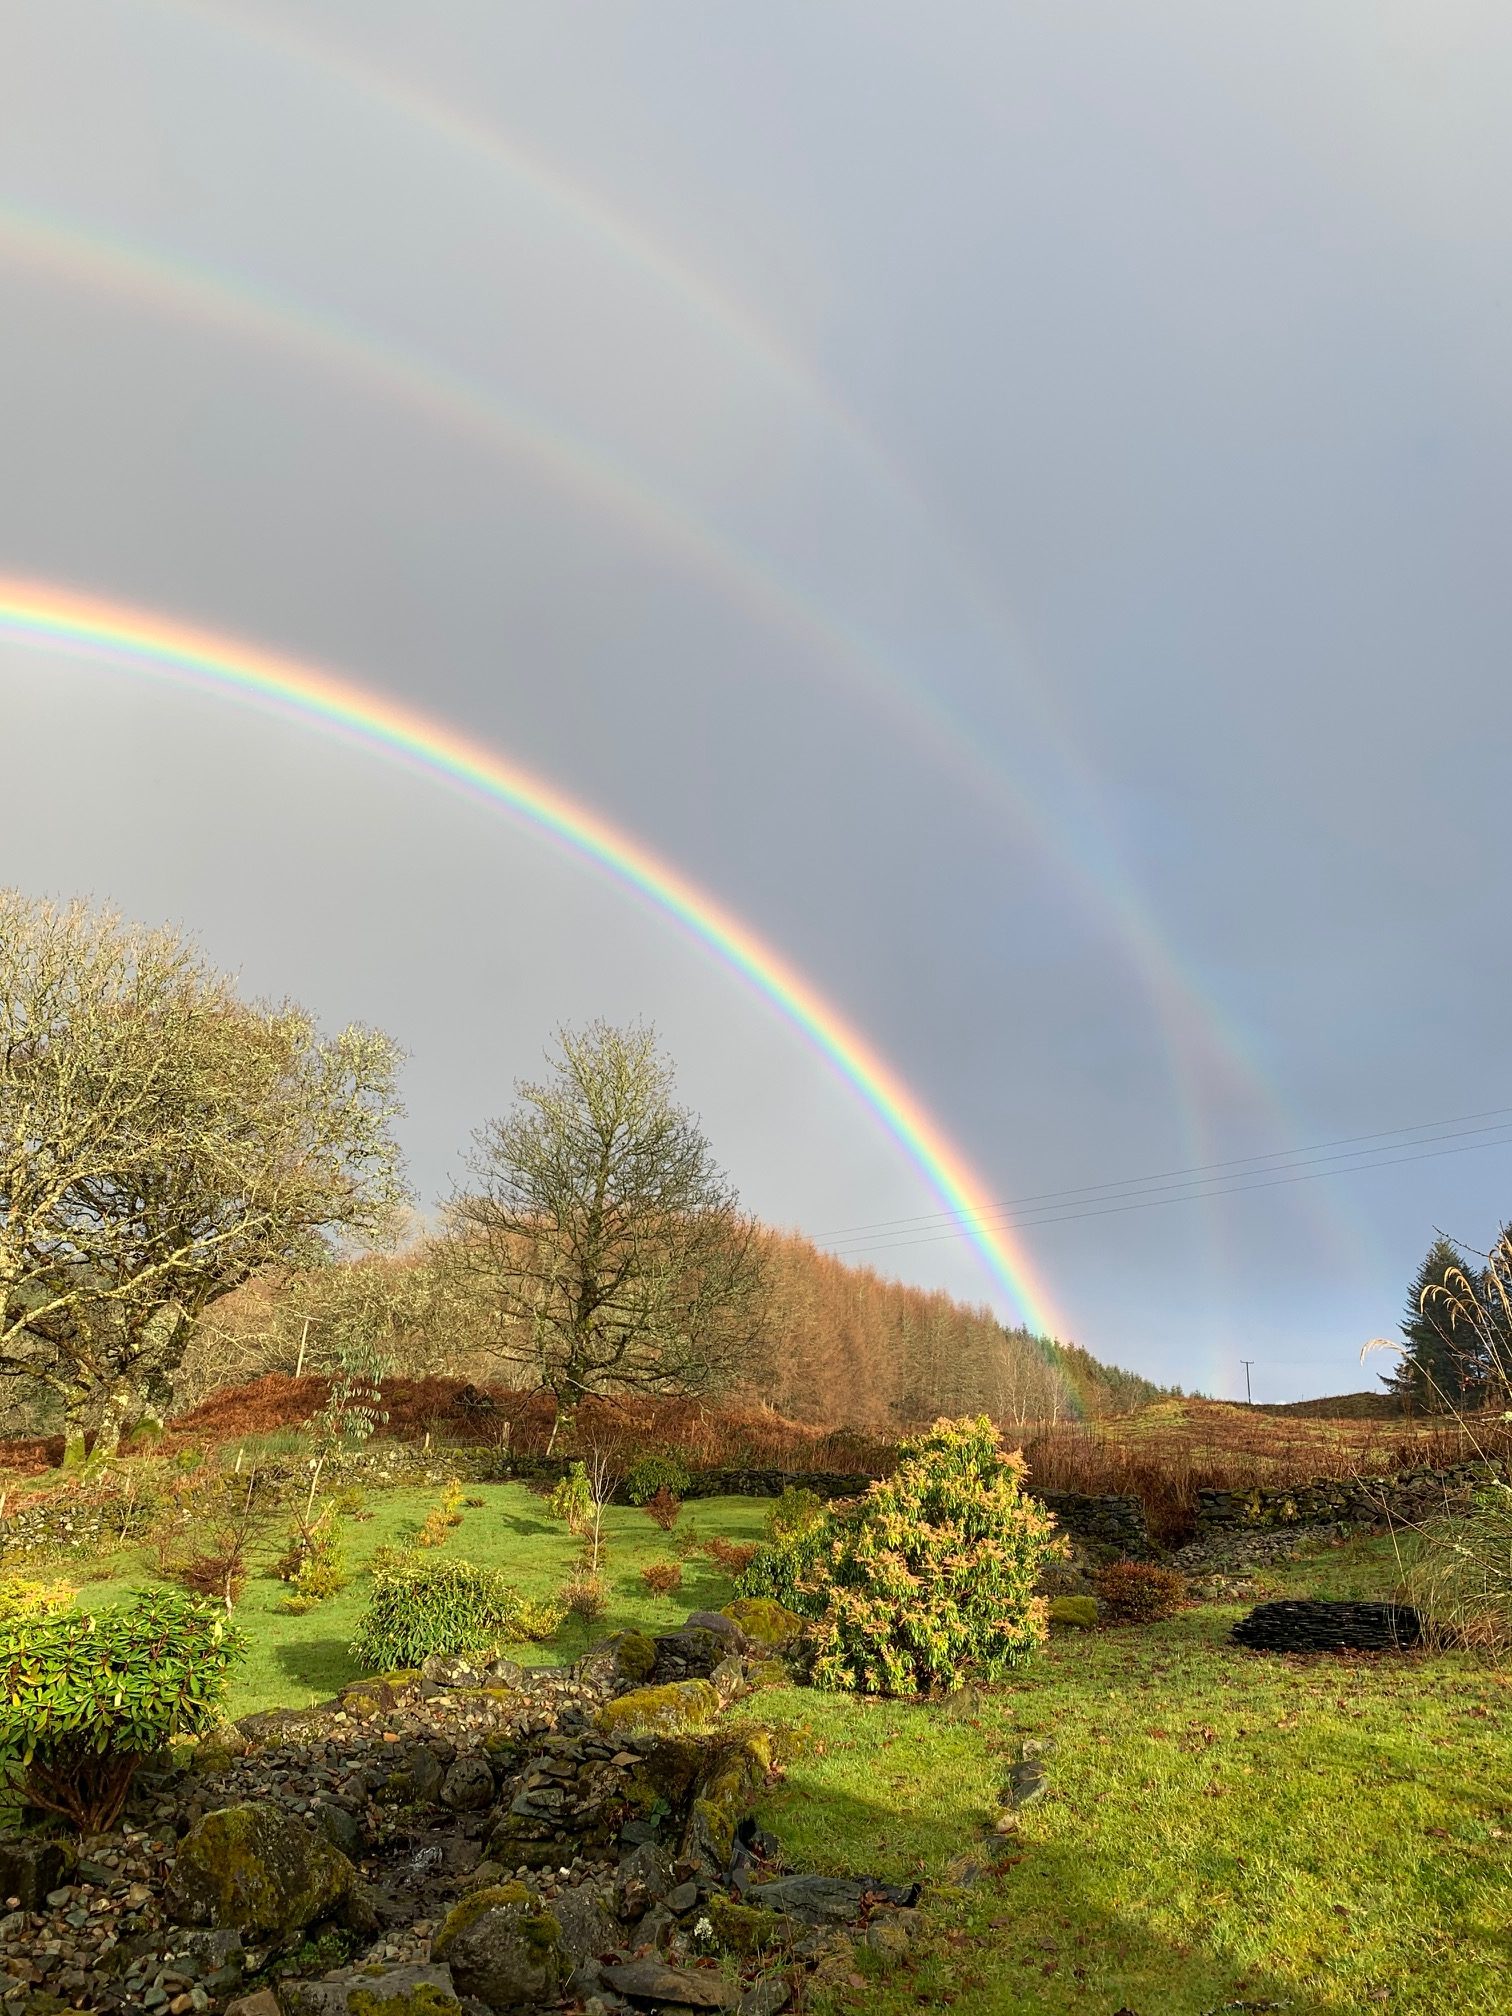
column 145, row 640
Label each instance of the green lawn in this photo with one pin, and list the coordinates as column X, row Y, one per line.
column 296, row 1660
column 1223, row 1829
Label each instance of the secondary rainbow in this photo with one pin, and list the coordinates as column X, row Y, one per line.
column 146, row 641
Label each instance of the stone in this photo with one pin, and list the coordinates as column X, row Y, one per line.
column 682, row 1899
column 256, row 1868
column 586, row 1928
column 634, row 1656
column 887, row 1936
column 215, row 1956
column 1296, row 1626
column 418, row 1778
column 670, row 1710
column 721, row 1623
column 1073, row 1613
column 1026, row 1784
column 340, row 1827
column 764, row 1998
column 827, row 1900
column 644, row 1878
column 445, row 1669
column 728, row 1678
column 654, row 1981
column 764, row 1621
column 263, row 2002
column 30, row 1868
column 468, row 1785
column 742, row 1930
column 391, row 1991
column 504, row 1947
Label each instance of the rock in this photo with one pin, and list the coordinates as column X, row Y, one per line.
column 765, row 1621
column 1329, row 1627
column 504, row 1947
column 722, row 1799
column 690, row 1654
column 215, row 1957
column 376, row 1991
column 634, row 1656
column 889, row 1937
column 691, row 1987
column 367, row 1699
column 826, row 1900
column 1073, row 1613
column 256, row 1868
column 682, row 1899
column 586, row 1928
column 418, row 1778
column 340, row 1827
column 728, row 1678
column 468, row 1785
column 505, row 1673
column 678, row 1707
column 30, row 1868
column 1026, row 1783
column 644, row 1878
column 740, row 1929
column 721, row 1623
column 445, row 1669
column 765, row 1998
column 261, row 2003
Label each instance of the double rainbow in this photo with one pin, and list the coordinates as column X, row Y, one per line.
column 154, row 645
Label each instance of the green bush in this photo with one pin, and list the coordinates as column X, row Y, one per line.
column 927, row 1580
column 23, row 1597
column 786, row 1568
column 540, row 1618
column 797, row 1511
column 85, row 1699
column 1140, row 1592
column 423, row 1605
column 572, row 1500
column 313, row 1565
column 659, row 1472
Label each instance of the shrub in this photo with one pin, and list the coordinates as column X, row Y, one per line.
column 540, row 1618
column 351, row 1502
column 312, row 1565
column 663, row 1508
column 23, row 1599
column 220, row 1572
column 1139, row 1592
column 419, row 1607
column 797, row 1511
column 572, row 1500
column 734, row 1556
column 85, row 1699
column 584, row 1597
column 442, row 1517
column 662, row 1577
column 661, row 1471
column 785, row 1569
column 930, row 1577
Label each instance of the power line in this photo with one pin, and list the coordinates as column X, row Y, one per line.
column 1152, row 1203
column 1089, row 1191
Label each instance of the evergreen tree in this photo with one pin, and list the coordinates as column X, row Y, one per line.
column 1435, row 1372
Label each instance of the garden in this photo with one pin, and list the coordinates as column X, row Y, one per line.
column 323, row 1719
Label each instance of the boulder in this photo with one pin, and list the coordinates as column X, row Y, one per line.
column 29, row 1868
column 468, row 1785
column 256, row 1868
column 766, row 1621
column 503, row 1947
column 723, row 1797
column 376, row 1991
column 826, row 1900
column 672, row 1710
column 644, row 1878
column 587, row 1930
column 365, row 1700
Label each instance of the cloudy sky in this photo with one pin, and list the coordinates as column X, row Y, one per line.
column 1011, row 500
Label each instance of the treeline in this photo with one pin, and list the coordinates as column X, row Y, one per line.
column 840, row 1346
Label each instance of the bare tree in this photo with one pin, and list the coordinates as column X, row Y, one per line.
column 618, row 1254
column 160, row 1142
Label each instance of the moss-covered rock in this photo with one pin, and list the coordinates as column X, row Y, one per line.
column 504, row 1947
column 765, row 1621
column 377, row 1695
column 1073, row 1613
column 673, row 1710
column 634, row 1655
column 741, row 1930
column 256, row 1868
column 376, row 1991
column 766, row 1673
column 725, row 1795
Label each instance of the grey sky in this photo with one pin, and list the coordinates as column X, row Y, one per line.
column 1012, row 499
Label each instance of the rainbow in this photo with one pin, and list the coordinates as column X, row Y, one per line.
column 152, row 644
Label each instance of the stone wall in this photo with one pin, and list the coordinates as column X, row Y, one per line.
column 1345, row 1501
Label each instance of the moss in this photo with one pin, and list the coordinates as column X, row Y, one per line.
column 767, row 1673
column 256, row 1868
column 463, row 1915
column 764, row 1620
column 674, row 1709
column 426, row 2000
column 635, row 1655
column 1075, row 1613
column 741, row 1929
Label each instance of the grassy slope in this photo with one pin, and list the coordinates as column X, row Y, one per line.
column 296, row 1660
column 1223, row 1829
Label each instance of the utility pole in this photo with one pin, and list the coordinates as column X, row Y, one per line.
column 1249, row 1397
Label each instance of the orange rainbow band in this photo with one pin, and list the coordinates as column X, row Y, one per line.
column 144, row 641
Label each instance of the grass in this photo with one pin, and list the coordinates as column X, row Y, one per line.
column 294, row 1661
column 1223, row 1830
